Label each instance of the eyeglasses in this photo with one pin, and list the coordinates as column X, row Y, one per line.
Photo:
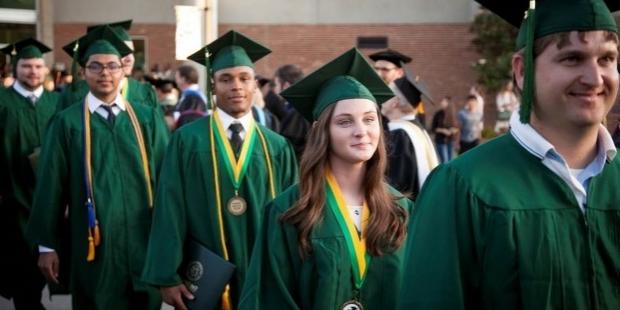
column 96, row 67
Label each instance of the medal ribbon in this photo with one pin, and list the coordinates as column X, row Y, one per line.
column 236, row 168
column 216, row 133
column 356, row 243
column 94, row 236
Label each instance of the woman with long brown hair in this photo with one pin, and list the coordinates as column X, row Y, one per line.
column 335, row 240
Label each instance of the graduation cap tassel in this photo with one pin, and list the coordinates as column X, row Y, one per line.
column 208, row 84
column 74, row 65
column 529, row 79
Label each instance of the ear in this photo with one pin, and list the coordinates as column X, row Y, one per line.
column 518, row 69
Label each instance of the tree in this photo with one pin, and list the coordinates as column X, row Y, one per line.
column 495, row 41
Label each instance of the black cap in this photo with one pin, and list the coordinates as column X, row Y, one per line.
column 392, row 56
column 412, row 88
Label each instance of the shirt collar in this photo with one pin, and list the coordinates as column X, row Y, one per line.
column 94, row 103
column 226, row 119
column 408, row 117
column 27, row 93
column 195, row 87
column 536, row 144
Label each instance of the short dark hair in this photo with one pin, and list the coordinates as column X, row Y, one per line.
column 289, row 73
column 189, row 73
column 471, row 97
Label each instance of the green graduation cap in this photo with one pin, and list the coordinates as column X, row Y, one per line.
column 121, row 28
column 230, row 50
column 537, row 19
column 102, row 40
column 27, row 48
column 349, row 76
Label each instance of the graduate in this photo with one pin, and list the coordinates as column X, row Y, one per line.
column 336, row 239
column 218, row 174
column 99, row 166
column 131, row 89
column 409, row 161
column 530, row 220
column 25, row 111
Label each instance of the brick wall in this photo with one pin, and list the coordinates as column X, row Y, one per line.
column 442, row 54
column 159, row 38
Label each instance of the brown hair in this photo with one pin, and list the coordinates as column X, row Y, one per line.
column 386, row 228
column 189, row 73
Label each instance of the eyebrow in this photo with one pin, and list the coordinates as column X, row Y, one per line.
column 349, row 114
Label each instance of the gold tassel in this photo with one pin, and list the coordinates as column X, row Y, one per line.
column 97, row 235
column 226, row 298
column 91, row 248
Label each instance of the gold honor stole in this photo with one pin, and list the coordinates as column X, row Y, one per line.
column 125, row 89
column 356, row 243
column 236, row 170
column 94, row 235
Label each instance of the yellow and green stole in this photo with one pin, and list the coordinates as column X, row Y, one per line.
column 356, row 243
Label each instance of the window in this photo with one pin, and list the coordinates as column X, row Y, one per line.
column 372, row 42
column 18, row 4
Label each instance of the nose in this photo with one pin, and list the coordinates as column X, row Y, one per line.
column 236, row 84
column 360, row 129
column 592, row 74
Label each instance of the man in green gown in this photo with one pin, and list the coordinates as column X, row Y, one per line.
column 130, row 88
column 199, row 196
column 531, row 219
column 99, row 164
column 25, row 110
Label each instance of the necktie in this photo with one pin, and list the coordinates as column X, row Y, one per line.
column 235, row 138
column 33, row 99
column 111, row 117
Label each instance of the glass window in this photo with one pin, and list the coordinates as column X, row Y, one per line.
column 18, row 4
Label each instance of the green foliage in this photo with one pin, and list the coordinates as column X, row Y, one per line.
column 494, row 39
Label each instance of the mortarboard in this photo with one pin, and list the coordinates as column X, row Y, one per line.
column 348, row 76
column 392, row 56
column 121, row 28
column 233, row 49
column 27, row 48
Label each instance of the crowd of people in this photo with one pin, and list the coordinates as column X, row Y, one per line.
column 318, row 191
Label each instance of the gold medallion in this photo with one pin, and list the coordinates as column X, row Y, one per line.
column 237, row 205
column 352, row 305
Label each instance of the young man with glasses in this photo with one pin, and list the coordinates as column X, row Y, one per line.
column 99, row 164
column 131, row 89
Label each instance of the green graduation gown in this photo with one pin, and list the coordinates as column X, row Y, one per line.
column 279, row 279
column 185, row 204
column 120, row 194
column 496, row 229
column 22, row 127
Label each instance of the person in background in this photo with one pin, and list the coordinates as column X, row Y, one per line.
column 445, row 129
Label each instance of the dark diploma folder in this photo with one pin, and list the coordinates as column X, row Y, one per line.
column 205, row 274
